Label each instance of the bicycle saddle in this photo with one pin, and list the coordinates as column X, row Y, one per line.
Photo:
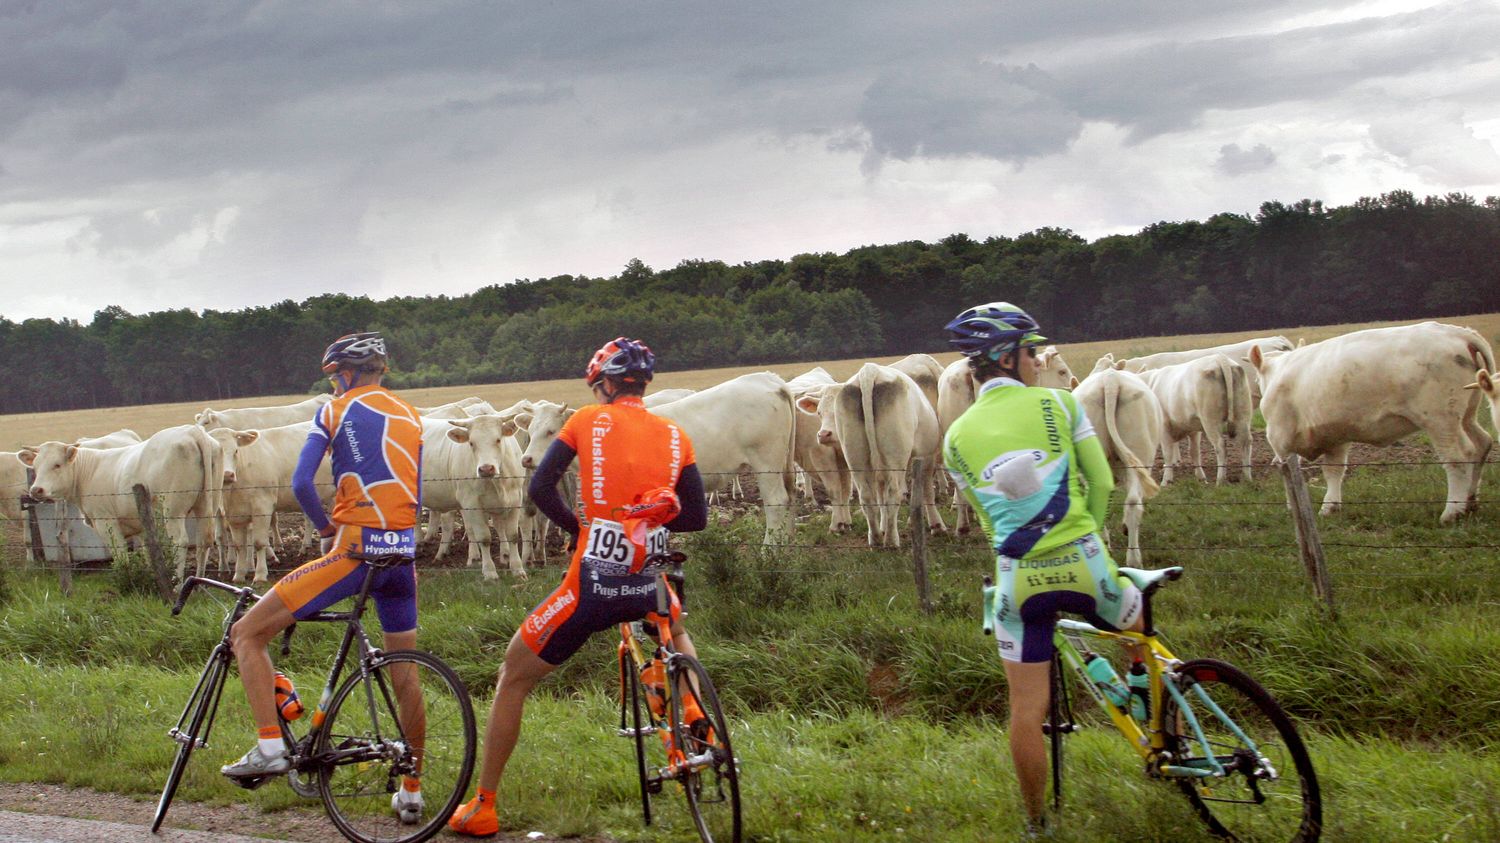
column 1149, row 581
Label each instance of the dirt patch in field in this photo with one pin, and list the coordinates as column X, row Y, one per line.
column 309, row 825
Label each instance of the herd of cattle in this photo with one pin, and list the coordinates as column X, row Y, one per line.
column 221, row 481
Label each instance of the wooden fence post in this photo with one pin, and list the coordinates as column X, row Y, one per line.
column 39, row 547
column 1308, row 542
column 152, row 533
column 918, row 480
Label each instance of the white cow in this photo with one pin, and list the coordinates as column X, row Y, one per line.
column 1236, row 351
column 246, row 418
column 881, row 421
column 1128, row 420
column 258, row 468
column 181, row 467
column 1376, row 386
column 744, row 424
column 467, row 466
column 666, row 396
column 956, row 390
column 463, row 408
column 1209, row 395
column 823, row 462
column 13, row 484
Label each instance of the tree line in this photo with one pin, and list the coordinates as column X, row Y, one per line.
column 1388, row 257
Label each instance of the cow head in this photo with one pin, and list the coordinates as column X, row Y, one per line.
column 486, row 436
column 208, row 419
column 1105, row 362
column 1052, row 370
column 820, row 402
column 1266, row 363
column 56, row 471
column 542, row 424
column 1485, row 383
column 230, row 442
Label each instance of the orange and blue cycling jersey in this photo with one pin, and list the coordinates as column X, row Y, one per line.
column 375, row 443
column 374, row 440
column 623, row 451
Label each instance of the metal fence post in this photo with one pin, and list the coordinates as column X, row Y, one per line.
column 1308, row 542
column 918, row 513
column 152, row 534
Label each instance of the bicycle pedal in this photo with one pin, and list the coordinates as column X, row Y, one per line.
column 251, row 782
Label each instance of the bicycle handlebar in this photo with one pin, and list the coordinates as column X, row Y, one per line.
column 193, row 582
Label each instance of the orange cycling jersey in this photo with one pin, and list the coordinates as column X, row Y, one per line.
column 623, row 451
column 376, row 444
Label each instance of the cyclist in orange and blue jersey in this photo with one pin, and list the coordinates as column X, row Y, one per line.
column 640, row 483
column 375, row 442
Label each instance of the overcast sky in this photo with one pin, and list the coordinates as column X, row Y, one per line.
column 159, row 154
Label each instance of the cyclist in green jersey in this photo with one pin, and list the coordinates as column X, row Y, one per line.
column 1029, row 463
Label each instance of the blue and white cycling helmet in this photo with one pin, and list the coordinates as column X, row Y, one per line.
column 353, row 350
column 993, row 329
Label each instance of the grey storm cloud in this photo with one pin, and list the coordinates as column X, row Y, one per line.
column 274, row 136
column 1162, row 85
column 1236, row 161
column 979, row 109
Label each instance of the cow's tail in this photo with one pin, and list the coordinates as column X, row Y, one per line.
column 211, row 502
column 1484, row 358
column 1227, row 370
column 866, row 381
column 789, row 466
column 1131, row 462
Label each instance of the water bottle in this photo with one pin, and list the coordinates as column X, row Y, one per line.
column 288, row 705
column 654, row 681
column 1140, row 691
column 1108, row 681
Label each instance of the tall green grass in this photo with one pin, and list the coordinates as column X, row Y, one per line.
column 852, row 703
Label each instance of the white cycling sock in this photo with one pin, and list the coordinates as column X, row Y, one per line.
column 272, row 747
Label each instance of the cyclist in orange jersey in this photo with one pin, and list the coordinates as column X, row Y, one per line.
column 375, row 441
column 629, row 461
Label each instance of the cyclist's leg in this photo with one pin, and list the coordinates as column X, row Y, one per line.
column 1030, row 691
column 250, row 636
column 308, row 589
column 395, row 594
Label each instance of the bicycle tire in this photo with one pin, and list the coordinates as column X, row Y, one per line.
column 357, row 791
column 207, row 694
column 1248, row 804
column 1057, row 727
column 720, row 779
column 632, row 700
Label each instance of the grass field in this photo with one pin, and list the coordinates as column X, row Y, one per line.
column 31, row 428
column 859, row 717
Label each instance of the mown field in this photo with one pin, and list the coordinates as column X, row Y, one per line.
column 859, row 717
column 21, row 429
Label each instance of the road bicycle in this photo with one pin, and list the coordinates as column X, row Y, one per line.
column 397, row 714
column 657, row 680
column 1204, row 725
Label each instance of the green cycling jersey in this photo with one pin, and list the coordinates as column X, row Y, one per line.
column 1017, row 455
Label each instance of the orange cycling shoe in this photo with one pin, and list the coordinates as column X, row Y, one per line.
column 476, row 818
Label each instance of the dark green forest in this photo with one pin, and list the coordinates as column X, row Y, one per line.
column 1391, row 257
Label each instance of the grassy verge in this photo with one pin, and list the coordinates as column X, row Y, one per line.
column 850, row 705
column 857, row 777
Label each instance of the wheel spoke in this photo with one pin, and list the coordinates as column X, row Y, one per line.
column 416, row 720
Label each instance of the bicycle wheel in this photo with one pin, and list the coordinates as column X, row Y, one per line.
column 1269, row 791
column 712, row 778
column 634, row 727
column 379, row 731
column 1057, row 727
column 203, row 703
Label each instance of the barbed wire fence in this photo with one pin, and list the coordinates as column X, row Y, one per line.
column 1308, row 545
